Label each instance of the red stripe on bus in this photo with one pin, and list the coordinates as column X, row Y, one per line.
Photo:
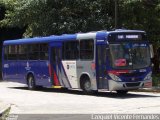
column 53, row 75
column 56, row 81
column 117, row 72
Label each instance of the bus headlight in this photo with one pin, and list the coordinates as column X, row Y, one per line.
column 114, row 77
column 148, row 76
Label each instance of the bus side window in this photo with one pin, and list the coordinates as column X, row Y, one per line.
column 34, row 51
column 44, row 51
column 70, row 50
column 22, row 52
column 87, row 49
column 6, row 50
column 13, row 52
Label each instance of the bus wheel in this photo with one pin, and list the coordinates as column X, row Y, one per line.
column 31, row 82
column 86, row 85
column 122, row 92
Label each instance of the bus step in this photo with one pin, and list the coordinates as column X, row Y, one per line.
column 56, row 86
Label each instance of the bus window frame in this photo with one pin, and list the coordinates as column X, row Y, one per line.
column 93, row 50
column 64, row 50
column 79, row 50
column 27, row 53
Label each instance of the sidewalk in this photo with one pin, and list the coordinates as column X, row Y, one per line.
column 3, row 108
column 153, row 89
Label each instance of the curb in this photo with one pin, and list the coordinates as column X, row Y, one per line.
column 4, row 110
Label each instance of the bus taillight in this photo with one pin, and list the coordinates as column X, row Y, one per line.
column 93, row 66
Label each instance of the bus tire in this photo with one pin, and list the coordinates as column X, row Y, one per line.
column 31, row 82
column 122, row 92
column 86, row 85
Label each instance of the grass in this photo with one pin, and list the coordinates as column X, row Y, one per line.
column 156, row 80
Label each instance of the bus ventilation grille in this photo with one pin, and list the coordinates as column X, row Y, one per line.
column 132, row 84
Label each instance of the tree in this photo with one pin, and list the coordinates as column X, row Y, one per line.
column 141, row 14
column 46, row 17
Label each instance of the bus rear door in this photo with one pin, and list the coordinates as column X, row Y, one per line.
column 55, row 64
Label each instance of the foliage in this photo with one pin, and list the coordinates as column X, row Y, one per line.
column 142, row 14
column 46, row 17
column 156, row 80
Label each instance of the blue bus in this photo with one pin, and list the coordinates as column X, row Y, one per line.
column 104, row 60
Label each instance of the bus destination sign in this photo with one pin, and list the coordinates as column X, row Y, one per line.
column 128, row 37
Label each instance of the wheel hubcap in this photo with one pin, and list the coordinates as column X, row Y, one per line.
column 30, row 83
column 87, row 85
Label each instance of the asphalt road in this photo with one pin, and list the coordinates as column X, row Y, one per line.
column 58, row 101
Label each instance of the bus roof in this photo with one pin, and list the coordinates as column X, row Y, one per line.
column 123, row 30
column 65, row 37
column 40, row 39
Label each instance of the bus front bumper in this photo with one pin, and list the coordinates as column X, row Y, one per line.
column 114, row 85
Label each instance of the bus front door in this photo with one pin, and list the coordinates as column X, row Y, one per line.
column 102, row 82
column 55, row 61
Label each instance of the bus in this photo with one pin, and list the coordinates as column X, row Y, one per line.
column 118, row 60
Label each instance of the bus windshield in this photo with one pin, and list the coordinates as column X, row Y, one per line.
column 130, row 55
